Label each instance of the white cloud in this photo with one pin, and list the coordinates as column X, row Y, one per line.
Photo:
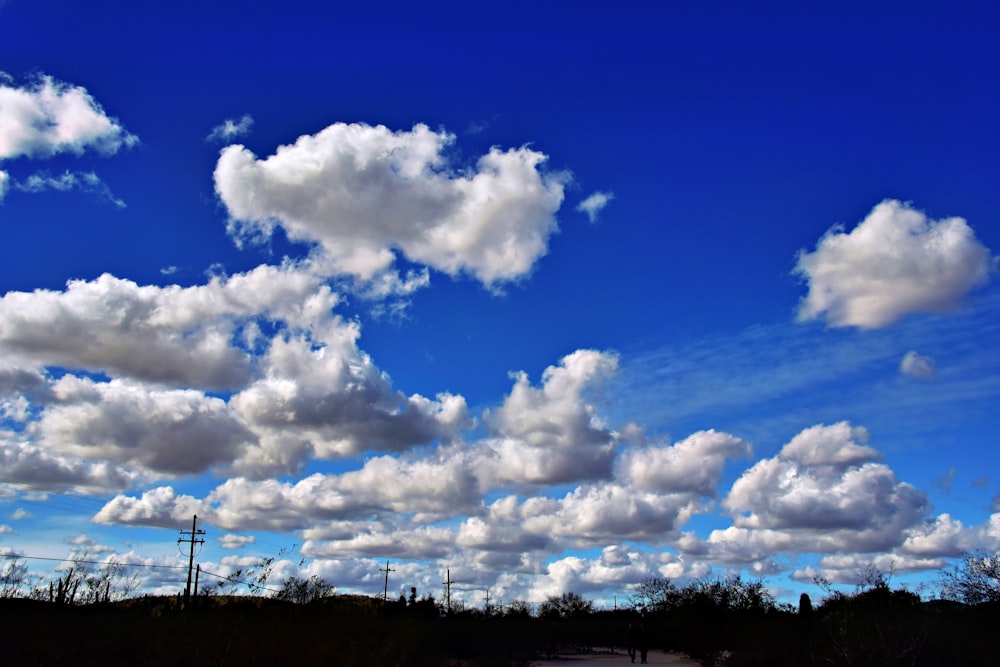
column 15, row 409
column 917, row 366
column 655, row 491
column 592, row 514
column 308, row 390
column 940, row 537
column 22, row 462
column 692, row 465
column 231, row 129
column 852, row 569
column 594, row 204
column 84, row 181
column 231, row 541
column 51, row 117
column 326, row 398
column 840, row 445
column 365, row 193
column 416, row 543
column 160, row 507
column 895, row 262
column 553, row 434
column 159, row 334
column 823, row 492
column 5, row 529
column 21, row 513
column 167, row 431
column 20, row 379
column 384, row 486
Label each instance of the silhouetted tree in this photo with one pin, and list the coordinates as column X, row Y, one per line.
column 304, row 591
column 14, row 578
column 975, row 580
column 654, row 594
column 805, row 605
column 566, row 605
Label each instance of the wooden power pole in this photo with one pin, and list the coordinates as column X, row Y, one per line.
column 192, row 539
column 447, row 588
column 385, row 591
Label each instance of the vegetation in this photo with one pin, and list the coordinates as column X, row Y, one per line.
column 729, row 621
column 975, row 580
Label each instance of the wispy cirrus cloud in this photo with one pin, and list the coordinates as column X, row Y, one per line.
column 231, row 129
column 751, row 381
column 83, row 181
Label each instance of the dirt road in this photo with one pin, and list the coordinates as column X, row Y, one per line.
column 618, row 659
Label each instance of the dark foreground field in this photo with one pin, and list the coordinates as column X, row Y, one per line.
column 346, row 630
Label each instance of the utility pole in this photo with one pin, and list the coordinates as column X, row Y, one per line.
column 385, row 591
column 192, row 539
column 447, row 588
column 487, row 608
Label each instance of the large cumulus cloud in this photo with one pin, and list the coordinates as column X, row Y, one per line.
column 364, row 193
column 553, row 433
column 825, row 491
column 182, row 336
column 895, row 262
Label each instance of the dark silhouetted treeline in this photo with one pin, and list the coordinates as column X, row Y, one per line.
column 718, row 622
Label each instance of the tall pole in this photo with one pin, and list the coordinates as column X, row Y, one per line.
column 385, row 591
column 192, row 540
column 447, row 584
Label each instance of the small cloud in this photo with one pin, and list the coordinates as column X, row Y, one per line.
column 980, row 482
column 995, row 504
column 479, row 126
column 944, row 483
column 84, row 181
column 231, row 129
column 5, row 529
column 4, row 183
column 236, row 541
column 169, row 270
column 917, row 366
column 593, row 204
column 21, row 513
column 15, row 409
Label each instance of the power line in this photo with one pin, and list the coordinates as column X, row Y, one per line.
column 92, row 562
column 169, row 567
column 240, row 581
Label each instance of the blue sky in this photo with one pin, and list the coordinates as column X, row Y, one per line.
column 555, row 296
